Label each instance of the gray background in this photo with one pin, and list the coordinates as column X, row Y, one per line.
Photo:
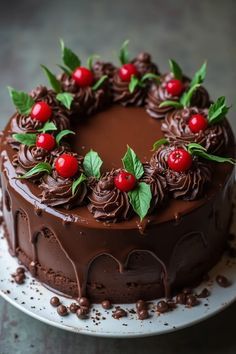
column 187, row 30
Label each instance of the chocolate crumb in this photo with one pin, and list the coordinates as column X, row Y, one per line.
column 73, row 307
column 106, row 304
column 62, row 310
column 118, row 313
column 162, row 306
column 54, row 301
column 204, row 293
column 222, row 281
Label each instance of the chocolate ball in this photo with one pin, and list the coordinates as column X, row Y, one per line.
column 162, row 306
column 222, row 281
column 181, row 299
column 73, row 307
column 82, row 312
column 20, row 270
column 84, row 302
column 62, row 310
column 191, row 301
column 143, row 314
column 141, row 305
column 54, row 301
column 106, row 304
column 20, row 278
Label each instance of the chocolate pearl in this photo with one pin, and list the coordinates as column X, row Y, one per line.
column 20, row 270
column 141, row 305
column 19, row 278
column 62, row 310
column 222, row 281
column 191, row 301
column 143, row 314
column 119, row 313
column 83, row 301
column 82, row 312
column 73, row 307
column 54, row 301
column 162, row 306
column 204, row 293
column 181, row 299
column 106, row 304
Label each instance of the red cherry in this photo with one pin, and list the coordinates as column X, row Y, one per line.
column 41, row 111
column 174, row 87
column 83, row 76
column 197, row 122
column 45, row 141
column 66, row 165
column 179, row 160
column 125, row 181
column 126, row 71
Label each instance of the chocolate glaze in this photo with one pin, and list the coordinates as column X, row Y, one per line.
column 73, row 253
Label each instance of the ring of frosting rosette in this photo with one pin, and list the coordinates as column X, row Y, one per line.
column 207, row 127
column 42, row 125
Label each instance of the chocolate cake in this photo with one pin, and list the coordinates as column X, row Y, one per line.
column 117, row 180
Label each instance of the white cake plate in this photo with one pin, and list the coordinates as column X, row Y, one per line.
column 34, row 299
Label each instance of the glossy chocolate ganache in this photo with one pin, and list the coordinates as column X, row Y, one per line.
column 116, row 223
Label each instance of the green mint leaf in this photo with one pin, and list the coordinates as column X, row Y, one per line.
column 90, row 61
column 52, row 79
column 158, row 143
column 63, row 68
column 21, row 100
column 40, row 167
column 150, row 76
column 217, row 111
column 62, row 134
column 175, row 69
column 198, row 150
column 99, row 83
column 185, row 99
column 48, row 126
column 132, row 164
column 77, row 182
column 134, row 82
column 140, row 199
column 26, row 139
column 92, row 164
column 199, row 76
column 69, row 58
column 65, row 98
column 124, row 54
column 170, row 103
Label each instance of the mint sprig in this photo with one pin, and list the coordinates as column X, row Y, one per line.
column 63, row 133
column 92, row 164
column 40, row 167
column 124, row 54
column 26, row 139
column 65, row 98
column 132, row 164
column 170, row 103
column 90, row 61
column 175, row 69
column 198, row 150
column 135, row 82
column 21, row 100
column 99, row 83
column 52, row 79
column 185, row 99
column 77, row 182
column 199, row 76
column 217, row 111
column 158, row 143
column 69, row 58
column 48, row 126
column 140, row 199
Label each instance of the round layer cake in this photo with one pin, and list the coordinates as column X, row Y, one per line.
column 112, row 183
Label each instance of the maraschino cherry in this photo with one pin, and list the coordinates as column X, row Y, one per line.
column 83, row 76
column 41, row 111
column 126, row 71
column 66, row 165
column 174, row 87
column 45, row 141
column 197, row 122
column 125, row 181
column 179, row 160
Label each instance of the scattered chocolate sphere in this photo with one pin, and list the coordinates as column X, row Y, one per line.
column 204, row 293
column 181, row 299
column 162, row 306
column 82, row 312
column 106, row 304
column 20, row 270
column 191, row 300
column 118, row 313
column 223, row 281
column 54, row 301
column 19, row 278
column 62, row 310
column 141, row 304
column 73, row 307
column 84, row 302
column 143, row 314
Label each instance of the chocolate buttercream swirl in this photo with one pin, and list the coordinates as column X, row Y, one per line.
column 57, row 191
column 107, row 203
column 187, row 185
column 123, row 96
column 101, row 68
column 143, row 63
column 158, row 94
column 175, row 127
column 158, row 186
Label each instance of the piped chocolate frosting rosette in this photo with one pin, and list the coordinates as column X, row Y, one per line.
column 185, row 168
column 172, row 86
column 132, row 79
column 207, row 127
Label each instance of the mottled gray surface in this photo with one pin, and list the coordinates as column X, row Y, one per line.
column 189, row 31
